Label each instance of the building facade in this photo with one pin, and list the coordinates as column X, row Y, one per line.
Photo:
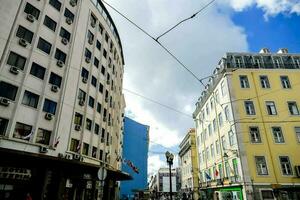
column 136, row 145
column 247, row 126
column 61, row 100
column 188, row 164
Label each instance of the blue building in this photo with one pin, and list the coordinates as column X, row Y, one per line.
column 135, row 149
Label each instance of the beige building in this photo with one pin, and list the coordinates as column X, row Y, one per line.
column 188, row 164
column 61, row 75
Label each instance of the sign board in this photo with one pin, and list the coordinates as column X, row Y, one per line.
column 102, row 173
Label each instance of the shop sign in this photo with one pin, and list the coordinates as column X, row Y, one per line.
column 69, row 183
column 89, row 185
column 15, row 173
column 87, row 176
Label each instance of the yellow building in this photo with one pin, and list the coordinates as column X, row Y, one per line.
column 188, row 164
column 248, row 127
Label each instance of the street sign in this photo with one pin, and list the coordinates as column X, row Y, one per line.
column 102, row 173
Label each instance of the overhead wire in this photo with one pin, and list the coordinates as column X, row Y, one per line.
column 186, row 19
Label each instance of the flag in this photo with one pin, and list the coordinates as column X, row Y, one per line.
column 216, row 172
column 78, row 147
column 56, row 142
column 207, row 176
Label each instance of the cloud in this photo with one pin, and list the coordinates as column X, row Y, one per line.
column 154, row 163
column 270, row 7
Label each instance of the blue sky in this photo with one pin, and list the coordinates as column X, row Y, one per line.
column 280, row 31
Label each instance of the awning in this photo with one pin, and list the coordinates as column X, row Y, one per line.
column 118, row 175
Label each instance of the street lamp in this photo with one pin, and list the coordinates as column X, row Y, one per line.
column 170, row 157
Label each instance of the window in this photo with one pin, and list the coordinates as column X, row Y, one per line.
column 293, row 108
column 207, row 109
column 223, row 88
column 249, row 107
column 90, row 36
column 227, row 114
column 217, row 96
column 227, row 169
column 244, row 82
column 3, row 125
column 271, row 108
column 59, row 55
column 78, row 119
column 267, row 194
column 49, row 106
column 44, row 46
column 88, row 124
column 81, row 95
column 91, row 101
column 50, row 23
column 220, row 117
column 231, row 138
column 43, row 136
column 277, row 134
column 56, row 4
column 87, row 53
column 106, row 37
column 64, row 34
column 223, row 140
column 264, row 81
column 104, row 53
column 98, row 45
column 30, row 9
column 212, row 104
column 24, row 34
column 261, row 165
column 94, row 81
column 30, row 99
column 8, row 91
column 16, row 60
column 103, row 70
column 97, row 128
column 69, row 14
column 98, row 107
column 84, row 73
column 74, row 146
column 100, row 28
column 214, row 125
column 209, row 130
column 102, row 135
column 101, row 155
column 235, row 166
column 285, row 164
column 37, row 71
column 94, row 152
column 297, row 131
column 212, row 150
column 23, row 131
column 207, row 153
column 101, row 88
column 254, row 134
column 93, row 19
column 55, row 79
column 96, row 62
column 285, row 82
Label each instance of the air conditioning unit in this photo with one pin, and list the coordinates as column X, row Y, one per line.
column 22, row 42
column 77, row 127
column 297, row 169
column 81, row 102
column 87, row 59
column 30, row 17
column 76, row 157
column 60, row 155
column 54, row 88
column 49, row 116
column 4, row 101
column 14, row 70
column 73, row 3
column 84, row 79
column 60, row 63
column 69, row 20
column 64, row 41
column 43, row 149
column 90, row 41
column 93, row 24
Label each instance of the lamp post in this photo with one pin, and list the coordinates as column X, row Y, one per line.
column 170, row 157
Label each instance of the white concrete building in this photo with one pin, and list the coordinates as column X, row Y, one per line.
column 61, row 75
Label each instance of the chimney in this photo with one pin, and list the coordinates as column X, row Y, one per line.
column 283, row 51
column 264, row 50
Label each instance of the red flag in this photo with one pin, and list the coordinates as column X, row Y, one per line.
column 216, row 173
